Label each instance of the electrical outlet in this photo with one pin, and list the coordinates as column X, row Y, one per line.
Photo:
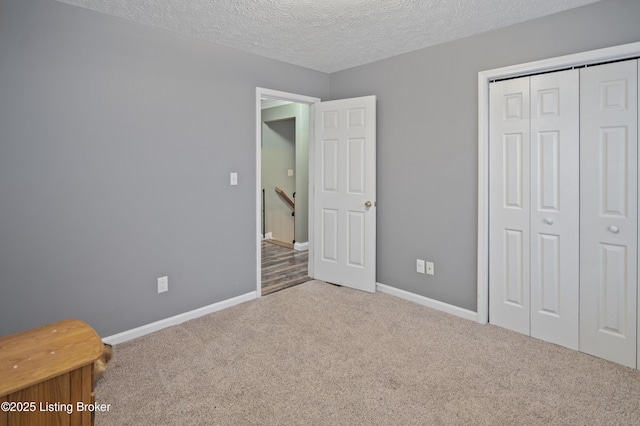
column 430, row 269
column 163, row 284
column 420, row 266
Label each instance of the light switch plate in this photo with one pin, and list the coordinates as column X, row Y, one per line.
column 233, row 178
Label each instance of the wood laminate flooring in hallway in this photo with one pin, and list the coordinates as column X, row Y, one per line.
column 282, row 267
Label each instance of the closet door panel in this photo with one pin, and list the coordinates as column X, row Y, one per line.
column 608, row 223
column 510, row 205
column 555, row 189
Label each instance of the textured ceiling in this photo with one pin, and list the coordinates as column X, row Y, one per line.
column 328, row 35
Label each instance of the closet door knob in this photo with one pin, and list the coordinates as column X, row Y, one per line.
column 548, row 221
column 614, row 229
column 368, row 204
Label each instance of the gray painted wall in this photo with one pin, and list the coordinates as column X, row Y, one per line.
column 300, row 112
column 427, row 139
column 279, row 156
column 302, row 173
column 116, row 144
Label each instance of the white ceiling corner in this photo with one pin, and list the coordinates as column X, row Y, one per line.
column 328, row 35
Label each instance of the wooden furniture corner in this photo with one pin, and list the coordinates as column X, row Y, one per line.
column 46, row 375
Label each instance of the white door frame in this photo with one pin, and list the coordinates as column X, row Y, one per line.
column 625, row 51
column 300, row 99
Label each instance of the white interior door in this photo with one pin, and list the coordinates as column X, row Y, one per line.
column 509, row 240
column 534, row 216
column 555, row 203
column 344, row 198
column 608, row 223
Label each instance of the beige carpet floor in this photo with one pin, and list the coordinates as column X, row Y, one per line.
column 317, row 354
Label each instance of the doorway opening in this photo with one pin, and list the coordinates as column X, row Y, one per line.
column 282, row 190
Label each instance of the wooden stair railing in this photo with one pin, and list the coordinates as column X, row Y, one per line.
column 286, row 198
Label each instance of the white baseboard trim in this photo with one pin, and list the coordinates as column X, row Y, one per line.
column 268, row 236
column 431, row 303
column 178, row 319
column 301, row 246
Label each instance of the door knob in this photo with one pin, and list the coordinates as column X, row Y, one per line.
column 548, row 221
column 368, row 204
column 614, row 229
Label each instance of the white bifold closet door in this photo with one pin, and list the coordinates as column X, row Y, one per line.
column 609, row 208
column 509, row 190
column 534, row 208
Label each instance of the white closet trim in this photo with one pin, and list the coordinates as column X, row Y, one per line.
column 625, row 51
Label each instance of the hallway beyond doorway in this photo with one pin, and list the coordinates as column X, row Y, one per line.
column 282, row 267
